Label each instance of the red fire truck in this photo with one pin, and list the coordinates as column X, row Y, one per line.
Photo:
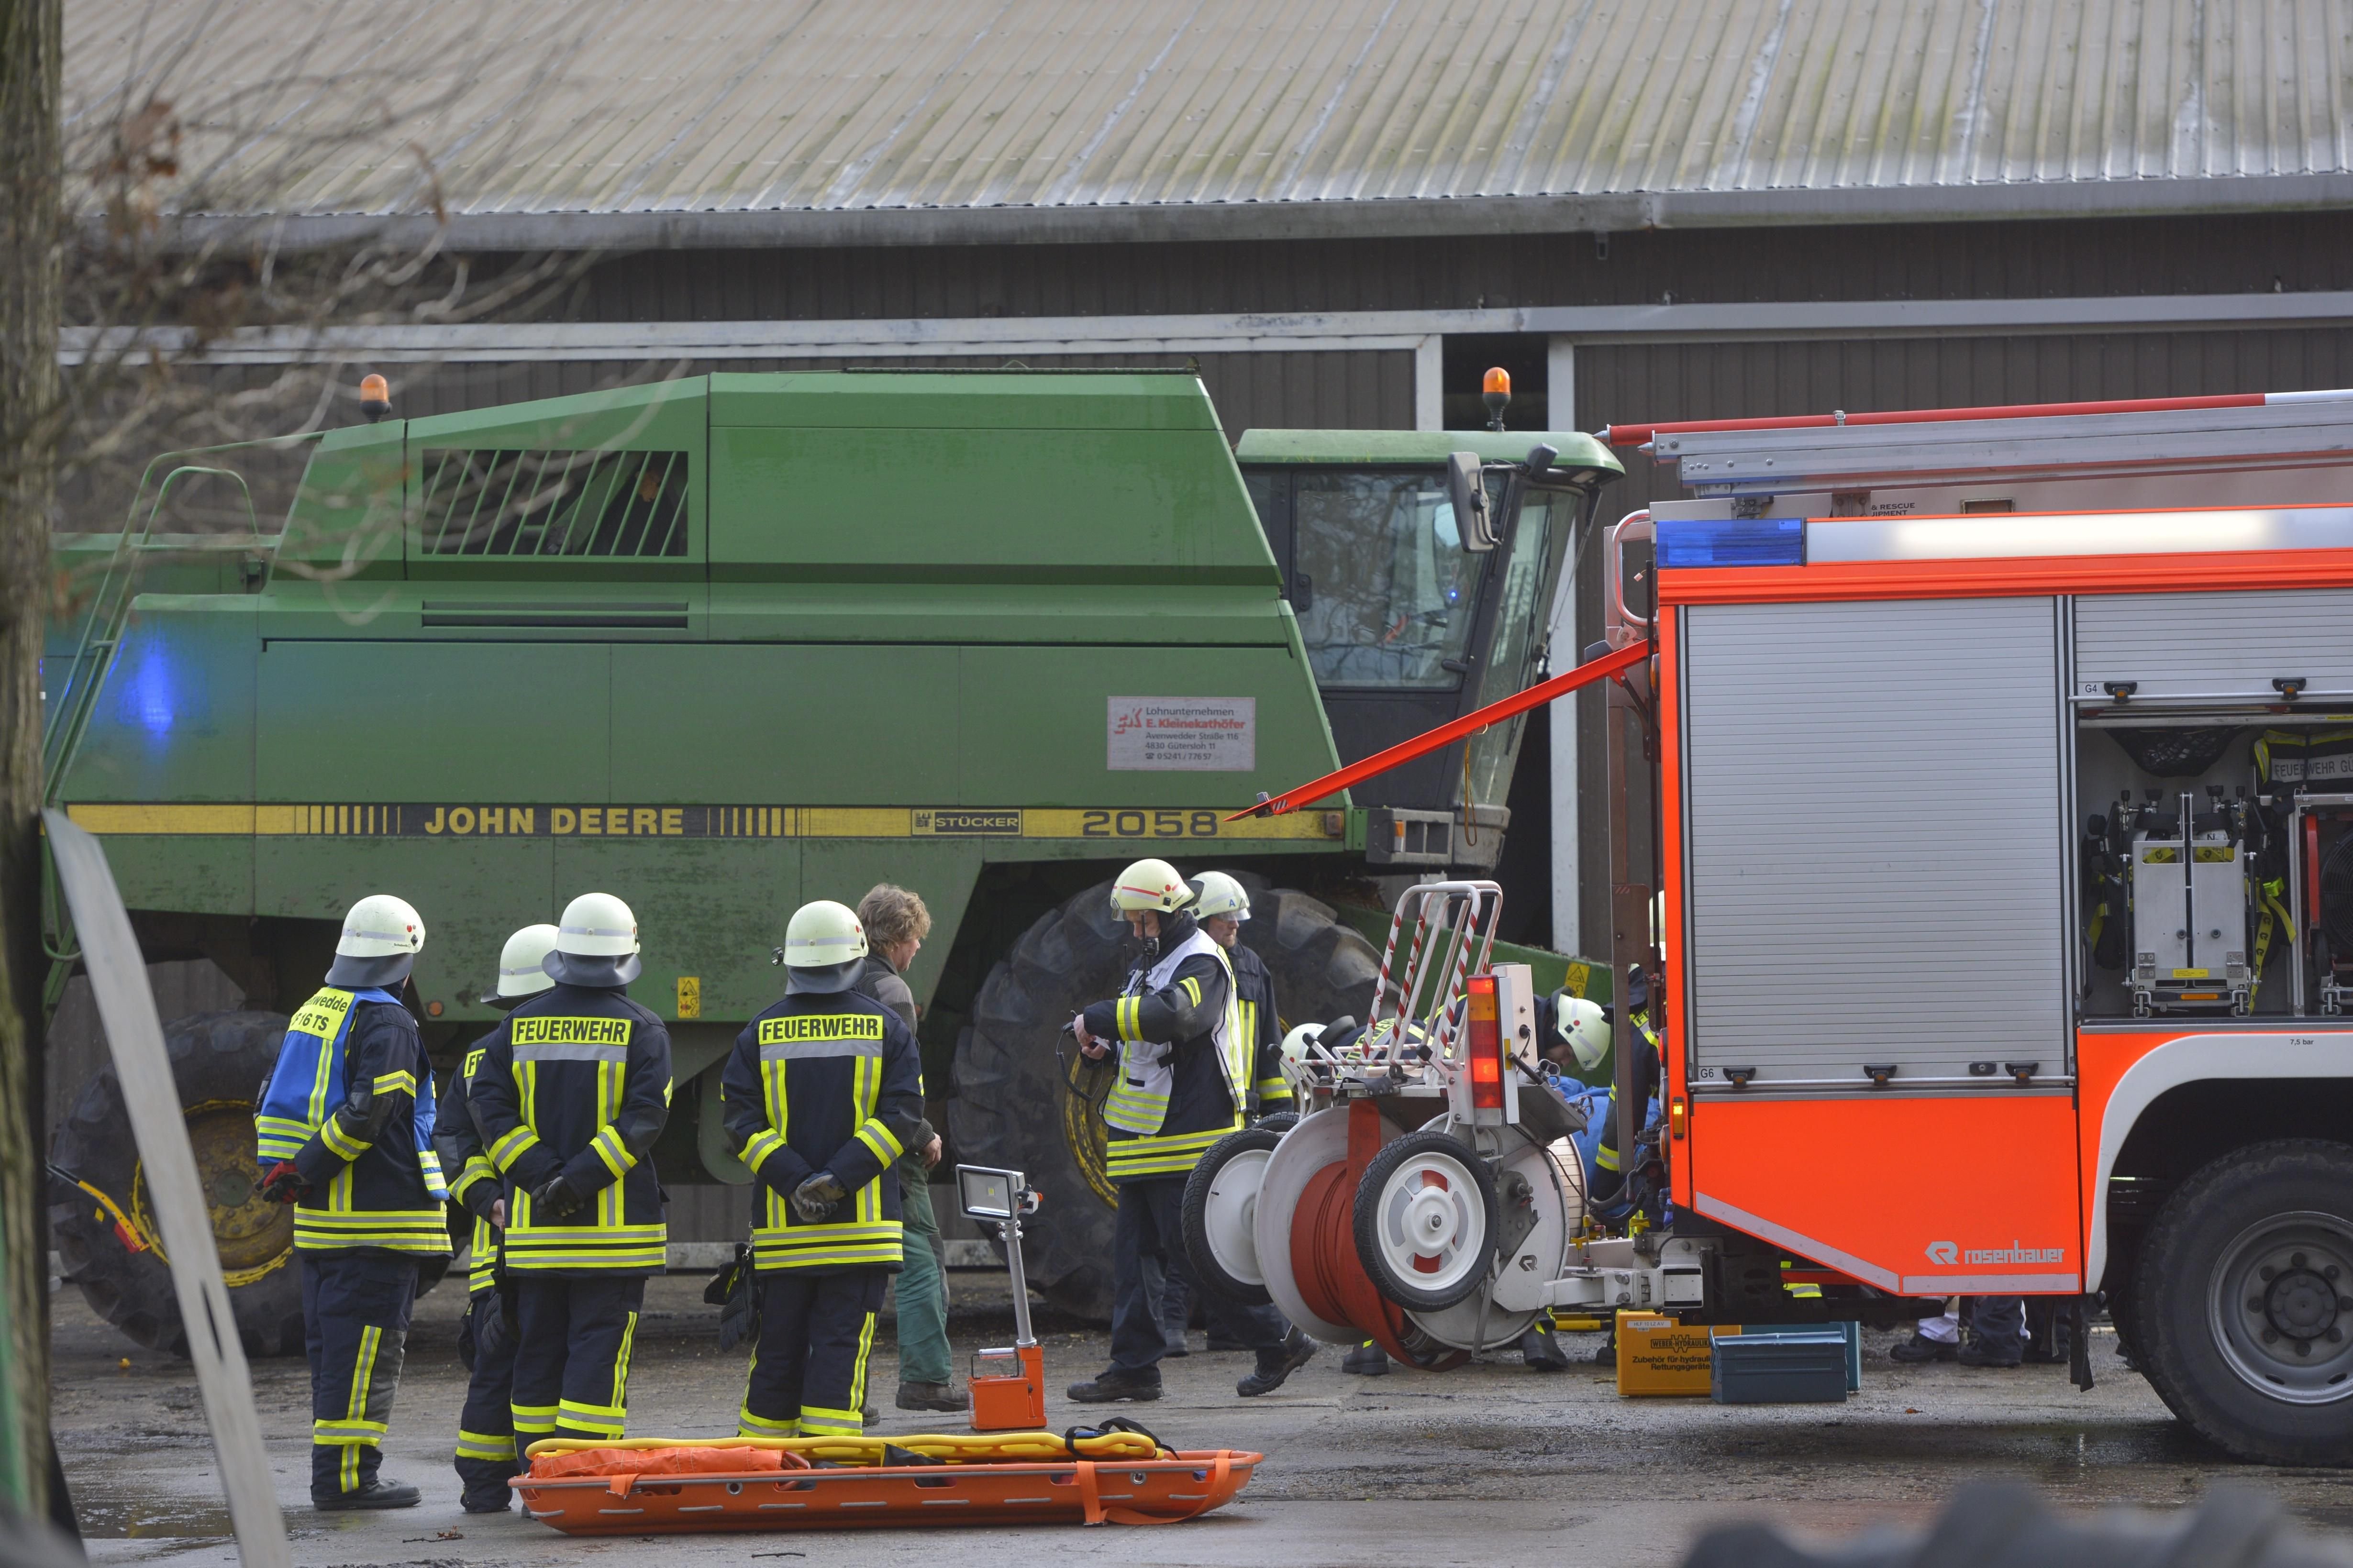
column 1995, row 767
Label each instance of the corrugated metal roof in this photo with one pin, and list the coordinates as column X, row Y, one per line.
column 1266, row 116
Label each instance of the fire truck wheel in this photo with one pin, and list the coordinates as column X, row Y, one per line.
column 1017, row 1107
column 1425, row 1221
column 2245, row 1311
column 219, row 1063
column 1220, row 1203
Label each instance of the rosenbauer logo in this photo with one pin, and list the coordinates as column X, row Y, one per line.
column 1945, row 1254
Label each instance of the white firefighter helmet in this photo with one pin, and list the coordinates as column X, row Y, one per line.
column 379, row 943
column 1149, row 885
column 1295, row 1044
column 825, row 947
column 1585, row 1027
column 595, row 944
column 1215, row 894
column 523, row 966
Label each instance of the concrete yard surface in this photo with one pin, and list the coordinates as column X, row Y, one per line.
column 1489, row 1463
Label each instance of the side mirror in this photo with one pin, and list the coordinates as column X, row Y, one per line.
column 1468, row 490
column 1540, row 460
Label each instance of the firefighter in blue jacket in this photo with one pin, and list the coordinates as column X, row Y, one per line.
column 821, row 1096
column 486, row 1447
column 571, row 1091
column 346, row 1135
column 1180, row 1084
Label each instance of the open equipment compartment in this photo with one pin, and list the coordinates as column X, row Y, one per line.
column 2214, row 789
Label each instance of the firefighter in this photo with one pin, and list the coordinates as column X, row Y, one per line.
column 486, row 1449
column 1178, row 1088
column 1221, row 904
column 344, row 1133
column 571, row 1092
column 820, row 1097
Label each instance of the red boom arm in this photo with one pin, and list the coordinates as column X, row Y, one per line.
column 1536, row 696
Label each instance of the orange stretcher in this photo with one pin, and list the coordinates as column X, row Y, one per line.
column 651, row 1486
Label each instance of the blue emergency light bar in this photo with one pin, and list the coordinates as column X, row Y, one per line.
column 1694, row 542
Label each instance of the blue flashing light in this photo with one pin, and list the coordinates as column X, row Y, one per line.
column 150, row 697
column 1693, row 543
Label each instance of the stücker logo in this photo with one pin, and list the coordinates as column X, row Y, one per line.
column 1945, row 1254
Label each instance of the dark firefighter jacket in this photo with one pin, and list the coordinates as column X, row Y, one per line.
column 343, row 1105
column 466, row 1163
column 575, row 1084
column 1260, row 1029
column 1179, row 1077
column 825, row 1082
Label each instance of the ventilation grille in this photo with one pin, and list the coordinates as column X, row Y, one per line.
column 582, row 505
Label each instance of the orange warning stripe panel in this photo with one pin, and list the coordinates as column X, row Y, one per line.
column 1084, row 1491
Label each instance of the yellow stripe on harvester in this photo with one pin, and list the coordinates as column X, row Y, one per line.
column 538, row 819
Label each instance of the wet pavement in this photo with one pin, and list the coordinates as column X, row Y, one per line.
column 1476, row 1465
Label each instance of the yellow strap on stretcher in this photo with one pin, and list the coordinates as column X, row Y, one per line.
column 956, row 1448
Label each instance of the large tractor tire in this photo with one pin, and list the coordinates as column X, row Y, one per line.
column 1019, row 1108
column 220, row 1061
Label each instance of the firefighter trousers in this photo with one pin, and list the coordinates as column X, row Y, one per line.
column 808, row 1371
column 486, row 1433
column 572, row 1361
column 355, row 1332
column 1148, row 1237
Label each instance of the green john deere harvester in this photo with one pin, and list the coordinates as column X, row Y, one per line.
column 725, row 644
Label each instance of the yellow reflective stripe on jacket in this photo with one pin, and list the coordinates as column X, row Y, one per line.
column 829, row 1245
column 1127, row 1017
column 425, row 1231
column 615, row 1153
column 396, row 1082
column 760, row 1145
column 478, row 1169
column 509, row 1149
column 482, row 1258
column 279, row 1137
column 1132, row 1106
column 1191, row 986
column 528, row 1248
column 1170, row 1154
column 429, row 1165
column 879, row 1138
column 342, row 1143
column 1276, row 1088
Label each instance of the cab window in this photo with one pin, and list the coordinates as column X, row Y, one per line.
column 1387, row 589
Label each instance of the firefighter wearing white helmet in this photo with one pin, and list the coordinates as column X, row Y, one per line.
column 571, row 1092
column 1221, row 904
column 1176, row 1088
column 829, row 1234
column 344, row 1133
column 486, row 1343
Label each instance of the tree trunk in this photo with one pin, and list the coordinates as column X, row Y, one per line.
column 31, row 49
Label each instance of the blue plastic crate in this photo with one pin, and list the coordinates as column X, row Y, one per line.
column 1778, row 1369
column 1849, row 1327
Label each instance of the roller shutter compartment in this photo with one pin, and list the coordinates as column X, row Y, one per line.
column 1875, row 838
column 2215, row 646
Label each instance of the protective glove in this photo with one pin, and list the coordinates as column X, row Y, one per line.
column 284, row 1184
column 815, row 1198
column 555, row 1200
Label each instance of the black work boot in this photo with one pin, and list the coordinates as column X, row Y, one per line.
column 487, row 1499
column 1367, row 1360
column 1980, row 1352
column 1273, row 1365
column 1115, row 1383
column 1920, row 1349
column 1542, row 1352
column 377, row 1493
